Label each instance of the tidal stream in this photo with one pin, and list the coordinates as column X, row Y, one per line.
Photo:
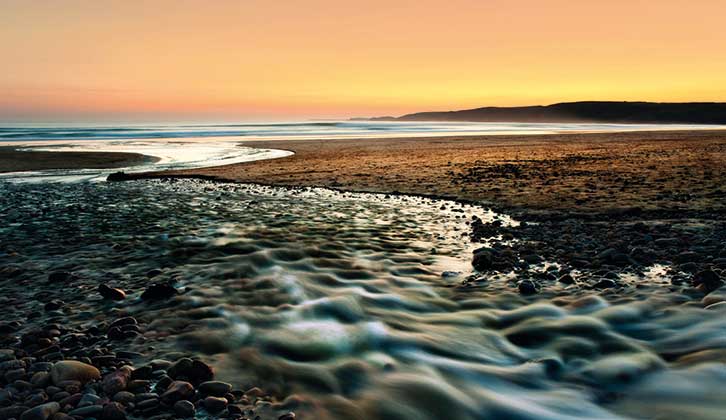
column 353, row 306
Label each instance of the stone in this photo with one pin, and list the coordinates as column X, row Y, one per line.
column 14, row 375
column 116, row 381
column 111, row 293
column 88, row 411
column 40, row 379
column 193, row 371
column 215, row 405
column 177, row 390
column 215, row 388
column 41, row 412
column 159, row 291
column 113, row 411
column 123, row 397
column 12, row 412
column 184, row 409
column 528, row 287
column 483, row 260
column 72, row 370
column 88, row 399
column 706, row 280
column 287, row 416
column 566, row 279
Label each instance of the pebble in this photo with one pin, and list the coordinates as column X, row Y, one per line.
column 215, row 388
column 528, row 287
column 111, row 293
column 113, row 411
column 88, row 411
column 116, row 381
column 71, row 370
column 159, row 291
column 41, row 412
column 177, row 390
column 215, row 405
column 123, row 397
column 184, row 409
column 194, row 371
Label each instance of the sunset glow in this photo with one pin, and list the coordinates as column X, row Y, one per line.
column 264, row 60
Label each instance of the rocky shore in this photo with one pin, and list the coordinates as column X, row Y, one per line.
column 601, row 251
column 49, row 370
column 188, row 298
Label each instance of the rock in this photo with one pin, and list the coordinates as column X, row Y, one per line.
column 706, row 281
column 40, row 379
column 215, row 388
column 6, row 354
column 14, row 375
column 184, row 409
column 71, row 370
column 123, row 397
column 483, row 260
column 113, row 411
column 528, row 287
column 215, row 405
column 287, row 416
column 88, row 411
column 12, row 412
column 159, row 291
column 88, row 399
column 41, row 412
column 118, row 177
column 116, row 382
column 193, row 371
column 177, row 391
column 111, row 293
column 566, row 279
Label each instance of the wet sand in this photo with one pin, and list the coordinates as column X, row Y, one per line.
column 12, row 160
column 574, row 172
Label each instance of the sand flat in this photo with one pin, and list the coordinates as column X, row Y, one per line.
column 590, row 172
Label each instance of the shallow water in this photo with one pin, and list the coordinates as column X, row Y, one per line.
column 169, row 154
column 353, row 306
column 307, row 129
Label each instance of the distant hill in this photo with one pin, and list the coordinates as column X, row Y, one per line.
column 596, row 112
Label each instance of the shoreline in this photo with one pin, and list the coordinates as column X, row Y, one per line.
column 602, row 173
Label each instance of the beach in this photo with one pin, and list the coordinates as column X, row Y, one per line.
column 12, row 160
column 535, row 277
column 576, row 172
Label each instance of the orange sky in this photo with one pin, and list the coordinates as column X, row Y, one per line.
column 186, row 59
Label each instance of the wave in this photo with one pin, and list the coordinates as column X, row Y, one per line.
column 316, row 129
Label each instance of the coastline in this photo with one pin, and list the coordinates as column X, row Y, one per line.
column 636, row 262
column 583, row 173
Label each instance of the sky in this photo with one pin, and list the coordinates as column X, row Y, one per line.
column 280, row 59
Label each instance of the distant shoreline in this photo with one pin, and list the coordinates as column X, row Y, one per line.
column 596, row 112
